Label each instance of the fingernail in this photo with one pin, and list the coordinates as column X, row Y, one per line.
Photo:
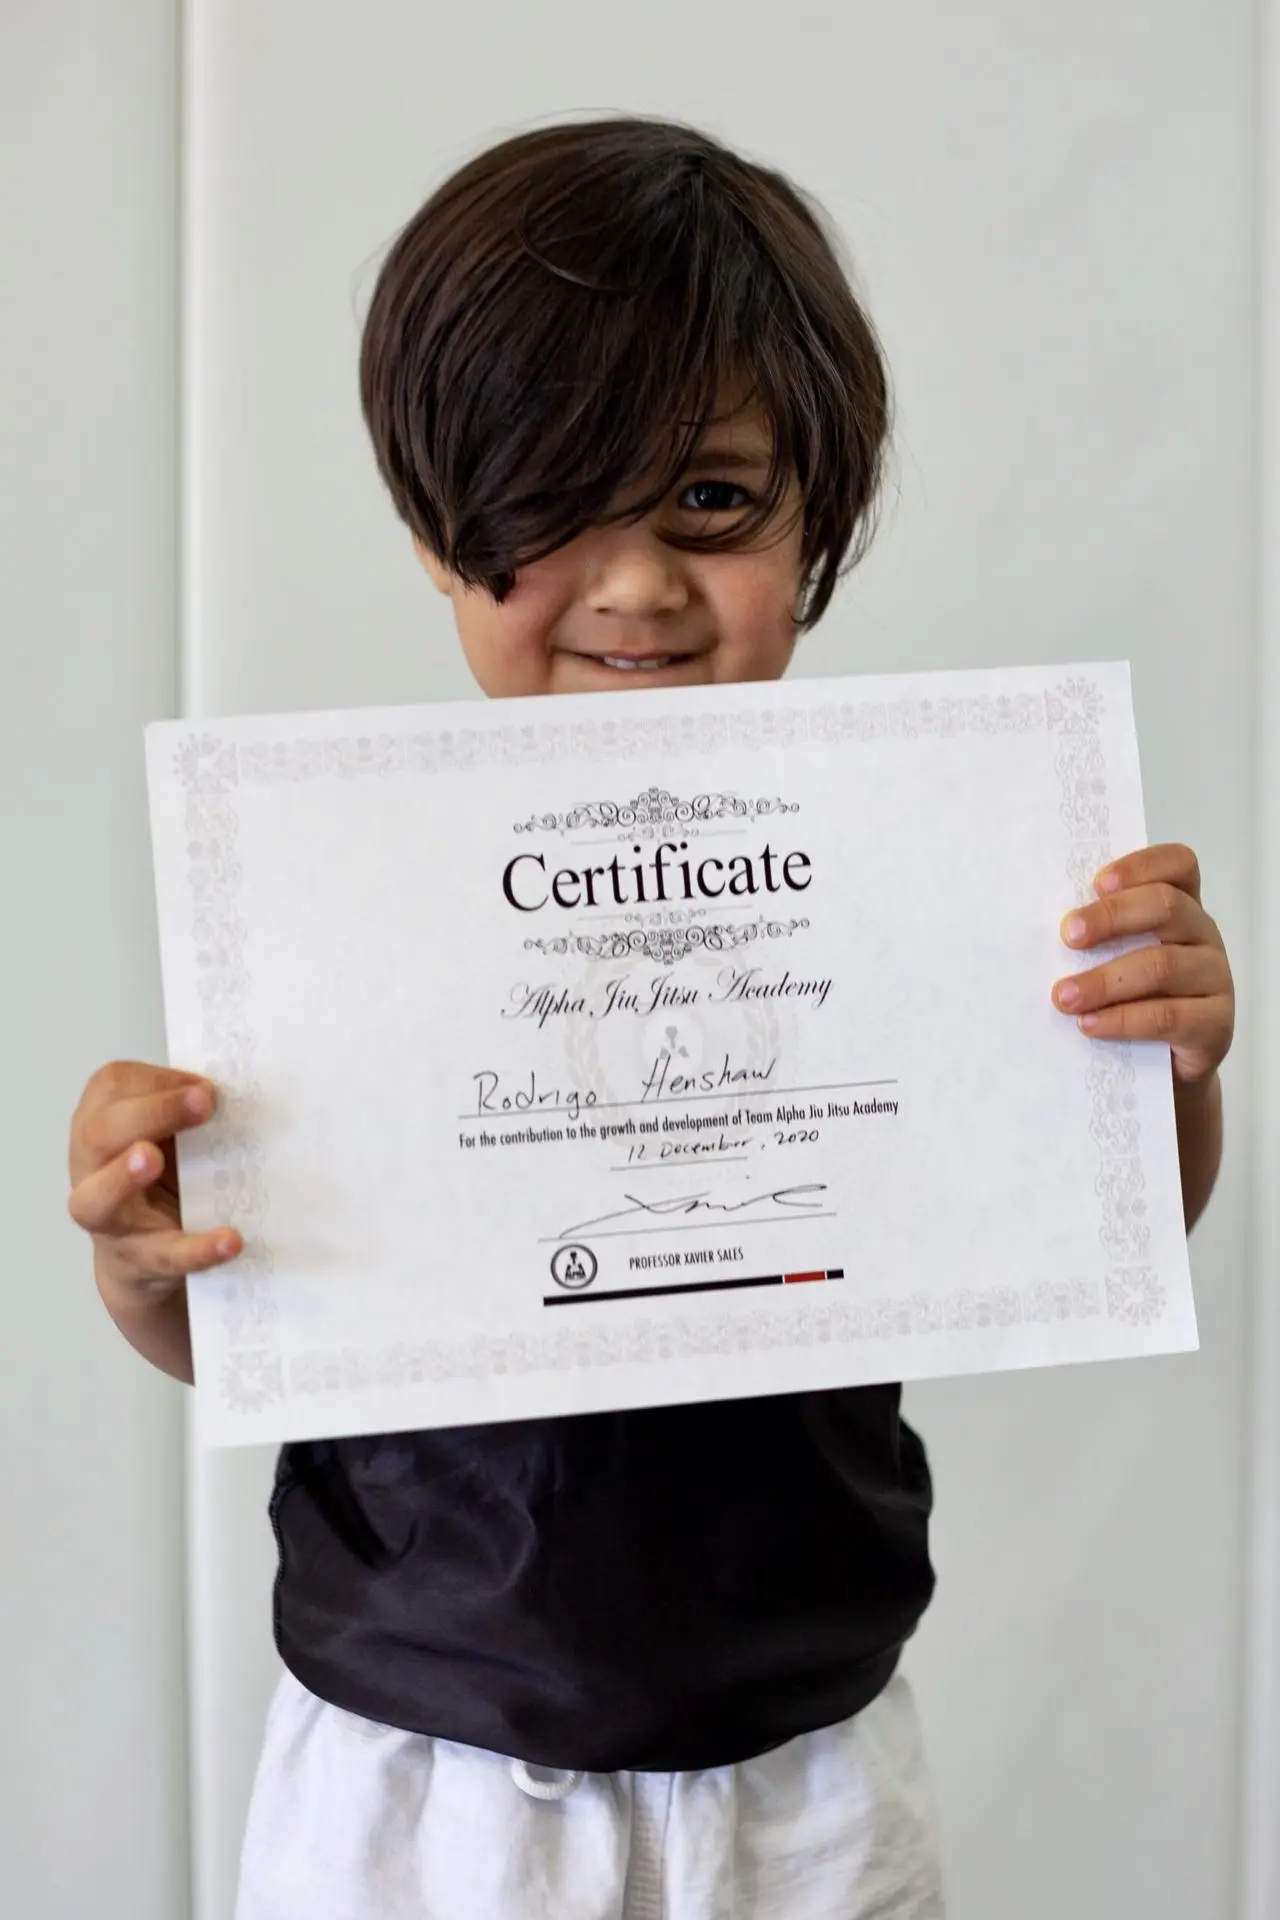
column 1076, row 928
column 1108, row 881
column 1068, row 993
column 227, row 1244
column 198, row 1103
column 138, row 1160
column 1088, row 1022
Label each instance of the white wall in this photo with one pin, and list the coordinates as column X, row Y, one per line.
column 92, row 1774
column 1050, row 208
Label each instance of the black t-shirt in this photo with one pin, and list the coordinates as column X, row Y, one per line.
column 674, row 1588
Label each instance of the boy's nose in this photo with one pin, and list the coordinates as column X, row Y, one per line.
column 635, row 577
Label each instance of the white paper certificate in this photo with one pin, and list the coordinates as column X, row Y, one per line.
column 630, row 1049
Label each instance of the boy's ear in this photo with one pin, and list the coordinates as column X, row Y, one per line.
column 441, row 578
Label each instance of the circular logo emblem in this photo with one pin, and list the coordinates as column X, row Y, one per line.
column 574, row 1267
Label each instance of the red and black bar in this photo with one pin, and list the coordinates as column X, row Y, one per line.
column 691, row 1286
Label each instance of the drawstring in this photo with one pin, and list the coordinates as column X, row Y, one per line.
column 543, row 1789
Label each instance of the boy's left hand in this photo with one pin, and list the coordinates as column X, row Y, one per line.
column 1181, row 991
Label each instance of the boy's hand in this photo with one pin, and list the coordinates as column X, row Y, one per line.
column 124, row 1174
column 1180, row 991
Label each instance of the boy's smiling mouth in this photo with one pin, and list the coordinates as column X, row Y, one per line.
column 643, row 663
column 636, row 663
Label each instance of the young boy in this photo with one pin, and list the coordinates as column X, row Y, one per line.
column 640, row 1663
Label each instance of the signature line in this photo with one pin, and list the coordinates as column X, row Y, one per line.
column 701, row 1226
column 669, row 1166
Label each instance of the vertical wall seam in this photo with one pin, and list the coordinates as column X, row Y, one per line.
column 185, row 448
column 1260, row 1666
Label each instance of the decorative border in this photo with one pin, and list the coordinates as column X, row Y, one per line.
column 652, row 812
column 252, row 1374
column 667, row 941
column 212, row 769
column 482, row 1355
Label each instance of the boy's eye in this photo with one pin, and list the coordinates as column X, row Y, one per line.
column 714, row 496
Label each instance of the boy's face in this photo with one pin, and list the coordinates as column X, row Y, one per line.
column 621, row 607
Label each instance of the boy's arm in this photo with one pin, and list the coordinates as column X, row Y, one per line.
column 157, row 1329
column 124, row 1193
column 1178, row 990
column 1199, row 1114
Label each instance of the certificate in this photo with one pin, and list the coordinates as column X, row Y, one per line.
column 624, row 1050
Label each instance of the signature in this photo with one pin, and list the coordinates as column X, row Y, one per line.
column 791, row 1200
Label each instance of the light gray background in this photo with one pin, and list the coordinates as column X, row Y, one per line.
column 1050, row 212
column 92, row 1765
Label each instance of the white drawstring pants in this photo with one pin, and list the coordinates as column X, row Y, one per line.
column 355, row 1821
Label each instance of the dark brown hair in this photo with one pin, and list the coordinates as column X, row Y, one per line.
column 554, row 328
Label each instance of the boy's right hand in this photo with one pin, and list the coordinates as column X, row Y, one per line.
column 124, row 1181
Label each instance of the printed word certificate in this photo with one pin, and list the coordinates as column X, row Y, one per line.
column 621, row 1050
